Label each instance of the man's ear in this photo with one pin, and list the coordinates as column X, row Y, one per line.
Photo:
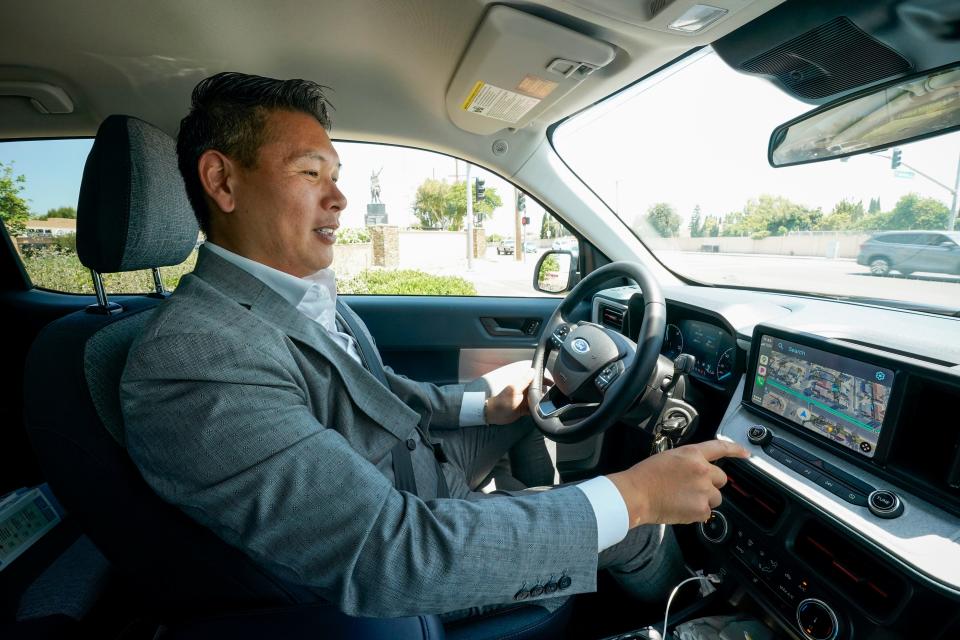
column 217, row 173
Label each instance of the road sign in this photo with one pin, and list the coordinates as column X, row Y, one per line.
column 904, row 173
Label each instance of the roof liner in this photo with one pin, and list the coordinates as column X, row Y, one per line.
column 389, row 62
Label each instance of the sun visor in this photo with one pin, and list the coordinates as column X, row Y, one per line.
column 516, row 67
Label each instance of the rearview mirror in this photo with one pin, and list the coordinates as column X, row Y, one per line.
column 555, row 272
column 903, row 110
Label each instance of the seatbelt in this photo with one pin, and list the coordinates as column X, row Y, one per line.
column 404, row 478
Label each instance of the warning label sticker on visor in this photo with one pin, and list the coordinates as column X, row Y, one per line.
column 501, row 104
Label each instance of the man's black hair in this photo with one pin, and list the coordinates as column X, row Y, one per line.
column 228, row 112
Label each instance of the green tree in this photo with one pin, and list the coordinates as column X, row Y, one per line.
column 482, row 209
column 874, row 206
column 430, row 204
column 440, row 205
column 60, row 212
column 696, row 226
column 914, row 212
column 664, row 219
column 711, row 227
column 550, row 227
column 775, row 214
column 13, row 207
column 845, row 215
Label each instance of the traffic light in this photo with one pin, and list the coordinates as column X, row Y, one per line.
column 521, row 201
column 525, row 220
column 895, row 158
column 481, row 189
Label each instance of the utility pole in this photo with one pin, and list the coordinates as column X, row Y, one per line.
column 518, row 250
column 469, row 221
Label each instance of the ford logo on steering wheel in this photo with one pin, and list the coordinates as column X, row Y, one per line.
column 580, row 345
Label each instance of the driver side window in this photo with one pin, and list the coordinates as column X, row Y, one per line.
column 405, row 229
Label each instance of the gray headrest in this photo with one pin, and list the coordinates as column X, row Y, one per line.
column 133, row 211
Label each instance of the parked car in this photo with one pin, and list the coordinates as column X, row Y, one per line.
column 506, row 246
column 910, row 251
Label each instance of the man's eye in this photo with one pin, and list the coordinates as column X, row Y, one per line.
column 312, row 174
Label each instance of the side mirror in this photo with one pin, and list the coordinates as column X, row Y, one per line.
column 556, row 272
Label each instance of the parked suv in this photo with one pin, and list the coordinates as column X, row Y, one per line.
column 909, row 251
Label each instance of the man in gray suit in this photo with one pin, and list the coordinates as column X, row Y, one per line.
column 250, row 404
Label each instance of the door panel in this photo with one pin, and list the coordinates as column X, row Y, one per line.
column 436, row 338
column 445, row 340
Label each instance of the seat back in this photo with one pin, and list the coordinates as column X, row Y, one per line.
column 133, row 214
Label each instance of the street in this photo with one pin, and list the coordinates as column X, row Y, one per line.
column 503, row 276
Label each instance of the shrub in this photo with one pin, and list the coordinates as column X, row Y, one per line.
column 353, row 236
column 60, row 270
column 66, row 243
column 494, row 238
column 409, row 282
column 550, row 264
column 760, row 235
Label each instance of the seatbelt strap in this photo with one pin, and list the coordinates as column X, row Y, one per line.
column 404, row 478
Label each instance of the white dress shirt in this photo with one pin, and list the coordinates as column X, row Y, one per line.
column 315, row 296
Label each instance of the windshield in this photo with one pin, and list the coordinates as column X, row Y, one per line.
column 681, row 158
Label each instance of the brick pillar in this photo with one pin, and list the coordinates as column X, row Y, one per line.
column 386, row 245
column 479, row 242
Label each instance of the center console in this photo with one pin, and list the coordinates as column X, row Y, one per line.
column 845, row 517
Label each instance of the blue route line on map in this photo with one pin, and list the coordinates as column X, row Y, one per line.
column 822, row 406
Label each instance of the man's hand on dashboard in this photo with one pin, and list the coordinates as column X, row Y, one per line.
column 678, row 486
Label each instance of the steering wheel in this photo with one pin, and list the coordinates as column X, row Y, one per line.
column 598, row 373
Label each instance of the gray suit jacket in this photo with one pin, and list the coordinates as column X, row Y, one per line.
column 246, row 415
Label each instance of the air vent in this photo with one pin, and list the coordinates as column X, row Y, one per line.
column 612, row 317
column 868, row 584
column 757, row 500
column 834, row 57
column 656, row 6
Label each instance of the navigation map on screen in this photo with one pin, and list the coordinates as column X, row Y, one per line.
column 840, row 398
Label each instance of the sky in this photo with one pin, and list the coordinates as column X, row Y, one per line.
column 697, row 134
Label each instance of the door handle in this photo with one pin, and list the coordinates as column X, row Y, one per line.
column 511, row 327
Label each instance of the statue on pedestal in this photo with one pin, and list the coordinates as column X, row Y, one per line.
column 376, row 209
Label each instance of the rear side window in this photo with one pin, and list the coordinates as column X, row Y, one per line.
column 39, row 188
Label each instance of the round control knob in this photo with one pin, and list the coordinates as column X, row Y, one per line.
column 715, row 529
column 884, row 504
column 816, row 620
column 759, row 434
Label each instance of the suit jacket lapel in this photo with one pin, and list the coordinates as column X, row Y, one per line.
column 366, row 391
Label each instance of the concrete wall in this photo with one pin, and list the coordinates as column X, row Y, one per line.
column 824, row 245
column 432, row 249
column 350, row 259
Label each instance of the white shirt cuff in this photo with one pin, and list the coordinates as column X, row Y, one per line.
column 613, row 521
column 471, row 409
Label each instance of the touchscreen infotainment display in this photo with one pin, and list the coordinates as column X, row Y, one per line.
column 841, row 399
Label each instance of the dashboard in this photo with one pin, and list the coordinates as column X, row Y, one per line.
column 845, row 520
column 692, row 331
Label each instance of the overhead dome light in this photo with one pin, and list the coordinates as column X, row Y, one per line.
column 696, row 18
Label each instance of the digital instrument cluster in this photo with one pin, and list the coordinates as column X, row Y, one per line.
column 711, row 346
